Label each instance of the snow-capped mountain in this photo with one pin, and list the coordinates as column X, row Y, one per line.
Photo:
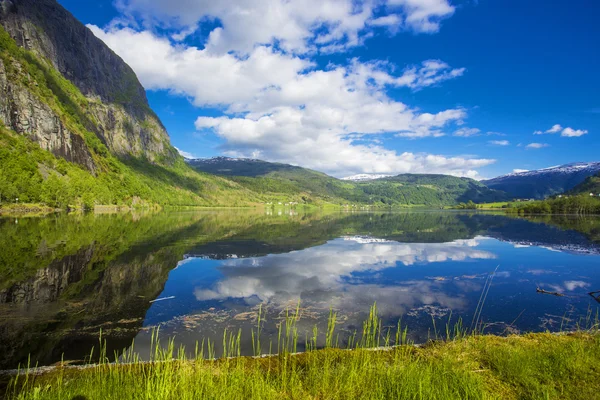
column 364, row 177
column 219, row 159
column 541, row 183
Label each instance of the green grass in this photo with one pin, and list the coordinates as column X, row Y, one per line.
column 531, row 366
column 579, row 205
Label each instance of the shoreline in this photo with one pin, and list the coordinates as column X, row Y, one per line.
column 472, row 366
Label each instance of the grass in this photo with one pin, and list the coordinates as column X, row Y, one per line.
column 474, row 366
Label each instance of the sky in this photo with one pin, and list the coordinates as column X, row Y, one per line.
column 462, row 87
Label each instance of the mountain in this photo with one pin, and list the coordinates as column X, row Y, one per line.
column 364, row 177
column 116, row 108
column 244, row 167
column 431, row 189
column 591, row 184
column 545, row 182
column 292, row 183
column 75, row 125
column 281, row 182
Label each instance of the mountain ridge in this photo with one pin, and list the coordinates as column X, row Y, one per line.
column 303, row 185
column 545, row 182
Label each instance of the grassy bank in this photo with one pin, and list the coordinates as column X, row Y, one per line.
column 474, row 366
column 534, row 366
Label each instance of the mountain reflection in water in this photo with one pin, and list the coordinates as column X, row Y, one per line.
column 63, row 278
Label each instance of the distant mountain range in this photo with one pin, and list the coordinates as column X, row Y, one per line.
column 292, row 183
column 544, row 182
column 364, row 177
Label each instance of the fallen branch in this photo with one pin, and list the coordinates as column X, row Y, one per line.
column 547, row 292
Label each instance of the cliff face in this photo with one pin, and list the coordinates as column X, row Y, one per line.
column 26, row 114
column 116, row 110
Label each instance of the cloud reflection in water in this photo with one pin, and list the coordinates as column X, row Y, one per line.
column 343, row 273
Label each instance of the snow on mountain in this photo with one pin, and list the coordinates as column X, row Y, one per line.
column 364, row 177
column 541, row 183
column 592, row 167
column 219, row 159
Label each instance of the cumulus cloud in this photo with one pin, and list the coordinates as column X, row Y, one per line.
column 279, row 107
column 297, row 26
column 565, row 132
column 536, row 145
column 555, row 129
column 256, row 66
column 570, row 132
column 499, row 142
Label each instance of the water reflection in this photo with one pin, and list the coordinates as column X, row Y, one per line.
column 64, row 278
column 332, row 273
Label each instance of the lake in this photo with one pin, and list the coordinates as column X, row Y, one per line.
column 66, row 278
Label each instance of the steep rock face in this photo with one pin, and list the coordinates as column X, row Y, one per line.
column 49, row 283
column 24, row 113
column 118, row 109
column 115, row 303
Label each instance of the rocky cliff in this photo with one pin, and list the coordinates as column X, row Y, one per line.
column 115, row 109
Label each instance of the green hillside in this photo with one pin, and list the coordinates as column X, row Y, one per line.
column 590, row 185
column 32, row 174
column 291, row 183
column 429, row 189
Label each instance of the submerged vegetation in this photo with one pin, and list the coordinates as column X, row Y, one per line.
column 474, row 366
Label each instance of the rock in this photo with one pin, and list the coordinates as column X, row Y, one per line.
column 118, row 106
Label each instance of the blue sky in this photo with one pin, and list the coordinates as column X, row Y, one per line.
column 472, row 88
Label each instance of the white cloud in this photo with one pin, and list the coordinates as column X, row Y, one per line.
column 499, row 142
column 570, row 132
column 467, row 132
column 536, row 145
column 312, row 139
column 328, row 269
column 555, row 129
column 279, row 107
column 296, row 26
column 572, row 285
column 565, row 132
column 424, row 15
column 185, row 154
column 518, row 171
column 430, row 73
column 388, row 20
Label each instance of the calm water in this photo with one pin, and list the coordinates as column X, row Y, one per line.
column 194, row 274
